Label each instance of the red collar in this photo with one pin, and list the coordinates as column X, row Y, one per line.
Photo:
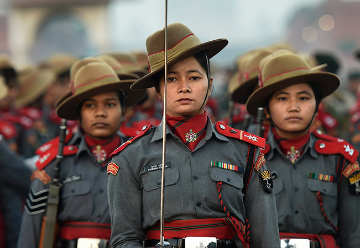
column 287, row 145
column 190, row 129
column 102, row 149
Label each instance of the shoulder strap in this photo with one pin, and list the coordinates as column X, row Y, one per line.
column 47, row 157
column 125, row 144
column 239, row 134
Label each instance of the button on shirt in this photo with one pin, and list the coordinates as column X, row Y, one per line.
column 190, row 187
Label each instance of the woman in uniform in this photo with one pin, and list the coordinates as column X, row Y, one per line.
column 316, row 176
column 216, row 183
column 97, row 99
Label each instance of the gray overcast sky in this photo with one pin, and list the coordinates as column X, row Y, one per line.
column 247, row 24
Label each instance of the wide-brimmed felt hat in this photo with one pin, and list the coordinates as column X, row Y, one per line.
column 282, row 69
column 182, row 43
column 93, row 79
column 3, row 88
column 7, row 69
column 248, row 75
column 129, row 63
column 120, row 70
column 61, row 62
column 34, row 82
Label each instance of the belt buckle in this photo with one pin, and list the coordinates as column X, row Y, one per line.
column 194, row 242
column 287, row 243
column 90, row 243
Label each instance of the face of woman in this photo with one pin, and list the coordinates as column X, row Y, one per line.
column 101, row 114
column 187, row 85
column 292, row 109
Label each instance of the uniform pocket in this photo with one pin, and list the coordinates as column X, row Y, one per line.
column 76, row 200
column 172, row 192
column 328, row 191
column 232, row 185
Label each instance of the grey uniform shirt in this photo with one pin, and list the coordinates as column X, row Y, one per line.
column 190, row 187
column 297, row 205
column 83, row 195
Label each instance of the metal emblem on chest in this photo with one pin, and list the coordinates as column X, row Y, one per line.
column 99, row 154
column 293, row 154
column 190, row 136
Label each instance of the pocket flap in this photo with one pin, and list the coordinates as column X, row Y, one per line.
column 75, row 188
column 227, row 176
column 327, row 188
column 152, row 180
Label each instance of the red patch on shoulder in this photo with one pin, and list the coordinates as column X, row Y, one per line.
column 239, row 134
column 53, row 143
column 41, row 175
column 112, row 168
column 337, row 146
column 125, row 144
column 259, row 162
column 350, row 169
column 47, row 157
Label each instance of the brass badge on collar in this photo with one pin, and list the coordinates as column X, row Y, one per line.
column 112, row 168
column 267, row 181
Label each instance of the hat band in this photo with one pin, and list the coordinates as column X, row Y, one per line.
column 253, row 73
column 157, row 60
column 288, row 74
column 78, row 89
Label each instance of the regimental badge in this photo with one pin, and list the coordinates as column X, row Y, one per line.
column 350, row 169
column 41, row 175
column 293, row 154
column 112, row 168
column 99, row 154
column 190, row 136
column 259, row 162
column 355, row 183
column 267, row 181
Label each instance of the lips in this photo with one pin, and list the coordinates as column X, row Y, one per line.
column 293, row 118
column 100, row 124
column 184, row 100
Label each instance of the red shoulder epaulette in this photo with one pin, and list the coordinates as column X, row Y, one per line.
column 239, row 134
column 50, row 155
column 125, row 144
column 7, row 129
column 30, row 112
column 266, row 149
column 332, row 145
column 53, row 143
column 25, row 122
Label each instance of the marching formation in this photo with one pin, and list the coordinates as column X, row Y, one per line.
column 91, row 148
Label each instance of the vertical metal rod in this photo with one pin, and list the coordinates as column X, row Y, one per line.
column 164, row 139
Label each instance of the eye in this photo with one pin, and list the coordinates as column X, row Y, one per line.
column 171, row 79
column 111, row 104
column 89, row 105
column 282, row 98
column 304, row 98
column 195, row 78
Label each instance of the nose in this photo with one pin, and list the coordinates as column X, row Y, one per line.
column 183, row 86
column 100, row 111
column 293, row 105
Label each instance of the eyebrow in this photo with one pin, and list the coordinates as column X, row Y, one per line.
column 189, row 71
column 299, row 93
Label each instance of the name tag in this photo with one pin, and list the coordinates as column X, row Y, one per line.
column 72, row 179
column 155, row 167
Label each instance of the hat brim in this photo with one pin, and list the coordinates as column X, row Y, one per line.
column 243, row 92
column 68, row 105
column 211, row 47
column 326, row 82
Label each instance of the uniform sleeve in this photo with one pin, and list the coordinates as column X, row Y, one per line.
column 34, row 211
column 349, row 215
column 260, row 207
column 13, row 170
column 125, row 205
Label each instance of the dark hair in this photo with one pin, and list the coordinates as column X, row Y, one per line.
column 121, row 100
column 201, row 58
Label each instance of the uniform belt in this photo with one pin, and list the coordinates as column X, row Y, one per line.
column 75, row 230
column 83, row 243
column 315, row 240
column 180, row 243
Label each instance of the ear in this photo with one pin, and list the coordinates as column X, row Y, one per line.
column 210, row 86
column 267, row 115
